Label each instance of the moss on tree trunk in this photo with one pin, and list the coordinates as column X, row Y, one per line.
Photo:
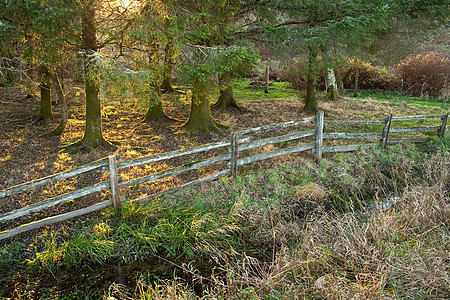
column 200, row 117
column 166, row 84
column 45, row 107
column 155, row 109
column 311, row 98
column 93, row 135
column 155, row 112
column 226, row 98
column 333, row 93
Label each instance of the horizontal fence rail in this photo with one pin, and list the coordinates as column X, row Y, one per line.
column 348, row 148
column 415, row 129
column 51, row 220
column 399, row 141
column 54, row 201
column 273, row 154
column 214, row 176
column 237, row 143
column 63, row 175
column 164, row 156
column 174, row 171
column 341, row 135
column 274, row 140
column 353, row 122
column 417, row 117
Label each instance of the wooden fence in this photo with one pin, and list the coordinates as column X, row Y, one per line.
column 238, row 143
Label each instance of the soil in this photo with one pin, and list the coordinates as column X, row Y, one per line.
column 25, row 156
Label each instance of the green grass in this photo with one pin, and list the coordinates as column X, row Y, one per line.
column 240, row 225
column 397, row 98
column 278, row 90
column 397, row 254
column 195, row 221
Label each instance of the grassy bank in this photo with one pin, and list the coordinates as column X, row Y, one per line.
column 294, row 230
column 286, row 228
column 396, row 97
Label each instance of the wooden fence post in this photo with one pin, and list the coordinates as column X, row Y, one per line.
column 234, row 153
column 114, row 183
column 387, row 127
column 441, row 131
column 319, row 134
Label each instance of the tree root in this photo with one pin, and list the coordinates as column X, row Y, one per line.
column 83, row 146
column 41, row 118
column 206, row 125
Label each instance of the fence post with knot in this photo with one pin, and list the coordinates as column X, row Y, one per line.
column 234, row 137
column 114, row 183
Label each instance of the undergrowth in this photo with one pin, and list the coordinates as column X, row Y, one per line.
column 293, row 230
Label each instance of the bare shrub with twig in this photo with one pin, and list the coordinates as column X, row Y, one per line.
column 425, row 75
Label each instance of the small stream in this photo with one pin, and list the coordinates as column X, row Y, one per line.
column 92, row 282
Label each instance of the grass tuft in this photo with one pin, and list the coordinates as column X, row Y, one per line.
column 292, row 230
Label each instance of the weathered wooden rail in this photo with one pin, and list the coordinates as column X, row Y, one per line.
column 56, row 200
column 238, row 143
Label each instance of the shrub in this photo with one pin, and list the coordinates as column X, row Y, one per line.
column 426, row 74
column 296, row 74
column 370, row 77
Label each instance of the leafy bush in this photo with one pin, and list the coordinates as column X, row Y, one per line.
column 426, row 74
column 370, row 77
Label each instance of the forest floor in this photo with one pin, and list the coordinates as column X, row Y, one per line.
column 26, row 156
column 286, row 228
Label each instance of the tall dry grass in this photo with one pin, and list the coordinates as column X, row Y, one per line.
column 401, row 253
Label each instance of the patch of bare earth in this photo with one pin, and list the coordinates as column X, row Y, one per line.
column 25, row 156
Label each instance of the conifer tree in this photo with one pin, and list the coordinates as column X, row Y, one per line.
column 321, row 28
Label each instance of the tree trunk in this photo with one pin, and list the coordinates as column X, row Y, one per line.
column 155, row 110
column 226, row 98
column 166, row 84
column 93, row 136
column 311, row 98
column 169, row 52
column 332, row 91
column 63, row 107
column 200, row 116
column 45, row 108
